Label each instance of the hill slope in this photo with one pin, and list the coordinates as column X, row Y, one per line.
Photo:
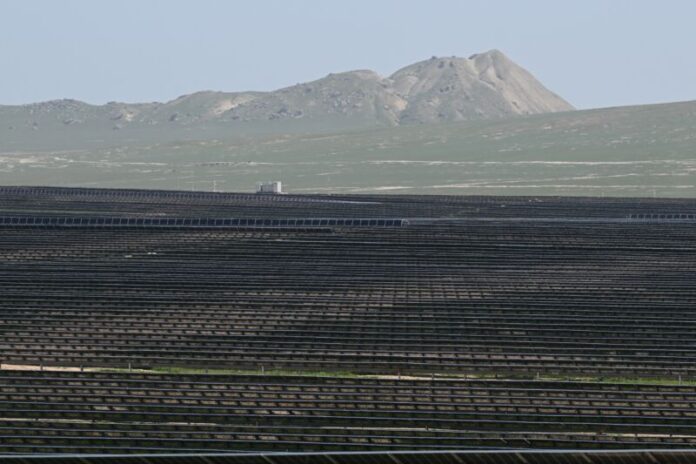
column 630, row 151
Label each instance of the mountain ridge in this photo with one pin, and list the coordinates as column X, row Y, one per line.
column 484, row 86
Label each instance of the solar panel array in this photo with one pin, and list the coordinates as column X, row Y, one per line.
column 52, row 412
column 566, row 299
column 412, row 289
column 38, row 201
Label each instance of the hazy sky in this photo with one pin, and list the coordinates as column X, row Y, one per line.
column 592, row 52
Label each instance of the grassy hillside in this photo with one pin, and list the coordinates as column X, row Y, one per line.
column 629, row 151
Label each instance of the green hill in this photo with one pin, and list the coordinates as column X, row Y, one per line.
column 628, row 151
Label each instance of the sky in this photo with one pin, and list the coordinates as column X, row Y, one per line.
column 594, row 53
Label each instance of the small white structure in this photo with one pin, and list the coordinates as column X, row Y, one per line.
column 269, row 187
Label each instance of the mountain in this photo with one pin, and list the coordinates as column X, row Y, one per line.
column 483, row 86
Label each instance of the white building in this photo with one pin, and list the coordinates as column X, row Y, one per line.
column 269, row 187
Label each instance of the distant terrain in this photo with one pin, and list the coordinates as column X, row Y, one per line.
column 483, row 86
column 478, row 125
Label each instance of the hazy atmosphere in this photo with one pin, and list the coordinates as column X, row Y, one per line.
column 594, row 53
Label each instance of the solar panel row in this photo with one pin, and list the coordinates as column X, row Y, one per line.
column 194, row 222
column 393, row 457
